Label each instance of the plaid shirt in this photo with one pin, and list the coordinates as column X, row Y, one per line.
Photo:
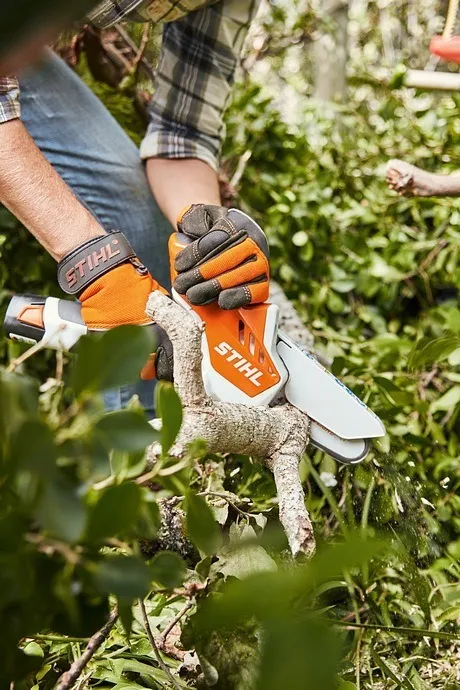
column 202, row 42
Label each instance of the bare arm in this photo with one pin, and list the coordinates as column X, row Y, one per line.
column 409, row 180
column 177, row 183
column 38, row 196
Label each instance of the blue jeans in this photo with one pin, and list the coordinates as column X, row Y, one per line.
column 101, row 164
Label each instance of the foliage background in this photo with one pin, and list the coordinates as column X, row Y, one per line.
column 375, row 277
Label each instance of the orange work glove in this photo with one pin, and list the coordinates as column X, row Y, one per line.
column 227, row 261
column 113, row 288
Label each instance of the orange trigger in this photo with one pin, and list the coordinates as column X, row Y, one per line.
column 32, row 316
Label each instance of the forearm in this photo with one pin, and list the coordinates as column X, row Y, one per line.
column 36, row 194
column 177, row 183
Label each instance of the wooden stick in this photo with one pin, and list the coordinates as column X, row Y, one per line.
column 173, row 623
column 69, row 677
column 153, row 644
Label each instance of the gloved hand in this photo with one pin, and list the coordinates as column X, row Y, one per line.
column 113, row 287
column 227, row 260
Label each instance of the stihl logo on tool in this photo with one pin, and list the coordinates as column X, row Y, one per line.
column 245, row 340
column 90, row 262
column 242, row 364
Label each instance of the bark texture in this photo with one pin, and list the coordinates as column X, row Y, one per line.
column 290, row 322
column 276, row 436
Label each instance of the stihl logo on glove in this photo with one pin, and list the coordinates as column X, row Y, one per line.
column 90, row 262
column 240, row 363
column 93, row 259
column 239, row 329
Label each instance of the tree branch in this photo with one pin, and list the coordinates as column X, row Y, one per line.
column 276, row 435
column 290, row 321
column 69, row 677
column 153, row 644
column 164, row 635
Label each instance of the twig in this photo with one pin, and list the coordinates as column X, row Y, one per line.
column 153, row 644
column 420, row 632
column 142, row 47
column 48, row 545
column 166, row 472
column 162, row 638
column 240, row 168
column 142, row 61
column 69, row 677
column 121, row 650
column 358, row 660
column 59, row 365
column 57, row 638
column 13, row 365
column 83, row 680
column 224, row 497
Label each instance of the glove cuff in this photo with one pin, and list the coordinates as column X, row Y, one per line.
column 93, row 259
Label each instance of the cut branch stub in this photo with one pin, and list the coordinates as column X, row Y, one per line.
column 277, row 436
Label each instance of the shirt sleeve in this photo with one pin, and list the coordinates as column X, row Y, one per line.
column 9, row 99
column 195, row 75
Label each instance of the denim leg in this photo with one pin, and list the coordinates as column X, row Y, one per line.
column 101, row 164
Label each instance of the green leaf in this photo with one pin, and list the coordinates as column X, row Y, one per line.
column 168, row 569
column 448, row 401
column 169, row 407
column 202, row 529
column 393, row 393
column 346, row 685
column 127, row 577
column 245, row 598
column 450, row 614
column 383, row 271
column 149, row 521
column 343, row 286
column 400, row 682
column 229, row 659
column 240, row 560
column 300, row 239
column 112, row 359
column 398, row 77
column 33, row 448
column 33, row 649
column 432, row 351
column 299, row 655
column 125, row 430
column 18, row 400
column 125, row 611
column 61, row 511
column 116, row 511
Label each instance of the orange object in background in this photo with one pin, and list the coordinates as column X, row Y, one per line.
column 446, row 48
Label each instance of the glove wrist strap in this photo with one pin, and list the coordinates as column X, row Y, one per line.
column 93, row 259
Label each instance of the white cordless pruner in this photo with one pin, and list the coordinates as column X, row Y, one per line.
column 246, row 359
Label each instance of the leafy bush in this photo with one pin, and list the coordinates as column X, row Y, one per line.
column 375, row 278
